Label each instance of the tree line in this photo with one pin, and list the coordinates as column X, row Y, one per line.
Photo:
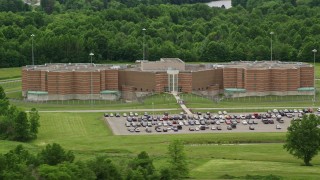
column 53, row 162
column 16, row 124
column 192, row 32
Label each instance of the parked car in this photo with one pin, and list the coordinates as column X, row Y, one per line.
column 137, row 130
column 128, row 124
column 191, row 128
column 148, row 130
column 202, row 127
column 158, row 129
column 244, row 122
column 278, row 126
column 219, row 127
column 106, row 115
column 265, row 121
column 229, row 127
column 213, row 128
column 131, row 129
column 251, row 127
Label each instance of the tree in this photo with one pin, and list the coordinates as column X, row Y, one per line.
column 21, row 127
column 66, row 170
column 4, row 102
column 143, row 163
column 54, row 154
column 303, row 138
column 104, row 168
column 179, row 166
column 34, row 123
column 47, row 5
column 16, row 164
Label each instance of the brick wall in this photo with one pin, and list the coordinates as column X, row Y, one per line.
column 161, row 81
column 184, row 80
column 202, row 80
column 306, row 76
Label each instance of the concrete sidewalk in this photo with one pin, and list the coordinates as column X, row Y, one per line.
column 183, row 106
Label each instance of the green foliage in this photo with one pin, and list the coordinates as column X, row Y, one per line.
column 54, row 154
column 13, row 5
column 66, row 170
column 192, row 32
column 4, row 102
column 178, row 164
column 34, row 122
column 303, row 138
column 15, row 164
column 104, row 168
column 142, row 167
column 21, row 127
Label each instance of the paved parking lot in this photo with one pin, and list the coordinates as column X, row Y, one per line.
column 118, row 126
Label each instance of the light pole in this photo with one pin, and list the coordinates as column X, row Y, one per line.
column 271, row 33
column 144, row 46
column 32, row 35
column 91, row 54
column 314, row 75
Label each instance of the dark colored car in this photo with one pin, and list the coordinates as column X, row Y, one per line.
column 219, row 128
column 271, row 121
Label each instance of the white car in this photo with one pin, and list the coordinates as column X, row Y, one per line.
column 295, row 111
column 224, row 112
column 219, row 112
column 244, row 122
column 278, row 126
column 213, row 128
column 318, row 109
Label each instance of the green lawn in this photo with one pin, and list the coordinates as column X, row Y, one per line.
column 157, row 101
column 88, row 135
column 11, row 86
column 9, row 73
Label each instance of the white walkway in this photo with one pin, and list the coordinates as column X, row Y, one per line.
column 184, row 107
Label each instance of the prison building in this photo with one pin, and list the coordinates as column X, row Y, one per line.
column 111, row 82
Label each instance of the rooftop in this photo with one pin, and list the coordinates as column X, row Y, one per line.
column 164, row 64
column 82, row 67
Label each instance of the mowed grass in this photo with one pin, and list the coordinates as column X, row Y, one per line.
column 157, row 101
column 9, row 73
column 11, row 86
column 87, row 135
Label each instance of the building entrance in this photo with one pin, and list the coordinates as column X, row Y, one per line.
column 173, row 80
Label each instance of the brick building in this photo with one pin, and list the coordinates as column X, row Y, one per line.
column 97, row 81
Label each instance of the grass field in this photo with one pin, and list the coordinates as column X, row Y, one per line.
column 157, row 101
column 88, row 135
column 9, row 73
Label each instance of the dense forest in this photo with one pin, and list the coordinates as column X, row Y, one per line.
column 68, row 30
column 53, row 163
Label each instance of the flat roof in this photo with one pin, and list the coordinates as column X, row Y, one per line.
column 266, row 65
column 68, row 67
column 88, row 67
